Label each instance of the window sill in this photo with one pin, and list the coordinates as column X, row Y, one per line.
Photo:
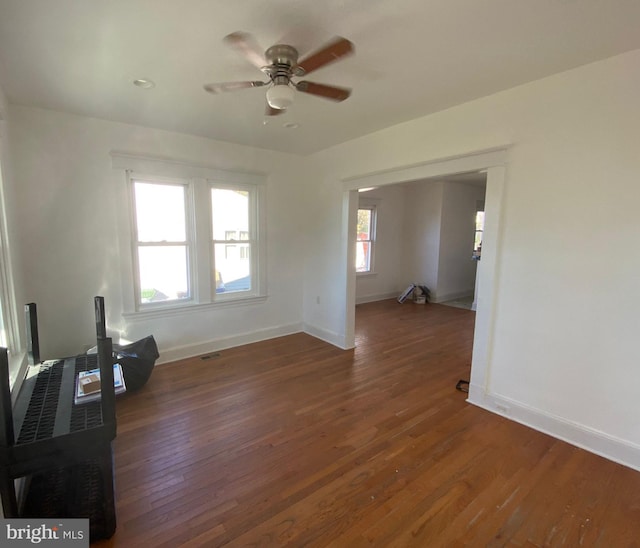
column 17, row 372
column 366, row 274
column 183, row 309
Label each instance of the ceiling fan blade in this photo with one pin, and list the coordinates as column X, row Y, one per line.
column 334, row 50
column 270, row 111
column 246, row 45
column 328, row 92
column 232, row 86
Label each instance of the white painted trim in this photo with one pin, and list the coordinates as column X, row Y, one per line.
column 170, row 167
column 374, row 298
column 594, row 441
column 9, row 306
column 488, row 276
column 214, row 345
column 462, row 163
column 327, row 336
column 350, row 202
column 181, row 309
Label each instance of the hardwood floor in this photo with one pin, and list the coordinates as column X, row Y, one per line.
column 293, row 441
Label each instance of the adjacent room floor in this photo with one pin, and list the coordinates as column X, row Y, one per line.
column 462, row 302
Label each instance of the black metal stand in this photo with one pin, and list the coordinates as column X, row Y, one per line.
column 63, row 450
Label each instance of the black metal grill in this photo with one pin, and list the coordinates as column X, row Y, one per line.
column 86, row 415
column 41, row 414
column 40, row 417
column 76, row 491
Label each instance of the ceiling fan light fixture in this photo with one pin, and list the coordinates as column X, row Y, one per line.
column 144, row 83
column 280, row 96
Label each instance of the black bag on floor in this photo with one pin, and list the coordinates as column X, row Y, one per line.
column 137, row 360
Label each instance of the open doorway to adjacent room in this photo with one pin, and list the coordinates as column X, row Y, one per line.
column 434, row 190
column 427, row 233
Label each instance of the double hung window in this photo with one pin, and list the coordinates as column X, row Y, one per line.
column 365, row 238
column 233, row 238
column 195, row 242
column 163, row 245
column 479, row 230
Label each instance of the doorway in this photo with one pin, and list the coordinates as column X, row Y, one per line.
column 490, row 161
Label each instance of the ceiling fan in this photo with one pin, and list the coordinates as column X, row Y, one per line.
column 280, row 63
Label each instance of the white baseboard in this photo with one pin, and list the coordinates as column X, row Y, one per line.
column 380, row 297
column 327, row 336
column 609, row 447
column 436, row 298
column 188, row 351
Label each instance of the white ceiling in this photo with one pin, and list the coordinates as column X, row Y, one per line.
column 413, row 57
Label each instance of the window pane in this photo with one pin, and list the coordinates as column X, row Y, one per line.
column 363, row 256
column 3, row 334
column 160, row 212
column 229, row 213
column 477, row 240
column 233, row 267
column 364, row 224
column 163, row 273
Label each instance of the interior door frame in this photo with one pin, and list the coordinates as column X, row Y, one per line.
column 493, row 161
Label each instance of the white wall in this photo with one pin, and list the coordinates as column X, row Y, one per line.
column 326, row 257
column 422, row 223
column 388, row 276
column 437, row 237
column 425, row 236
column 70, row 202
column 563, row 345
column 456, row 269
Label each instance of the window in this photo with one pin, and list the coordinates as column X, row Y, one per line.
column 232, row 213
column 173, row 221
column 195, row 236
column 479, row 229
column 365, row 238
column 163, row 247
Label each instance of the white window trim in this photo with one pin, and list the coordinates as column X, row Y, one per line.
column 199, row 179
column 190, row 238
column 254, row 240
column 17, row 355
column 372, row 205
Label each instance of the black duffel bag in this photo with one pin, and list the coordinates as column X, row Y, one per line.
column 137, row 360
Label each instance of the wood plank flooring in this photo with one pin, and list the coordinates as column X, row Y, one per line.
column 294, row 442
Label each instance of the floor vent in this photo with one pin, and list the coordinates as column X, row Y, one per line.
column 210, row 356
